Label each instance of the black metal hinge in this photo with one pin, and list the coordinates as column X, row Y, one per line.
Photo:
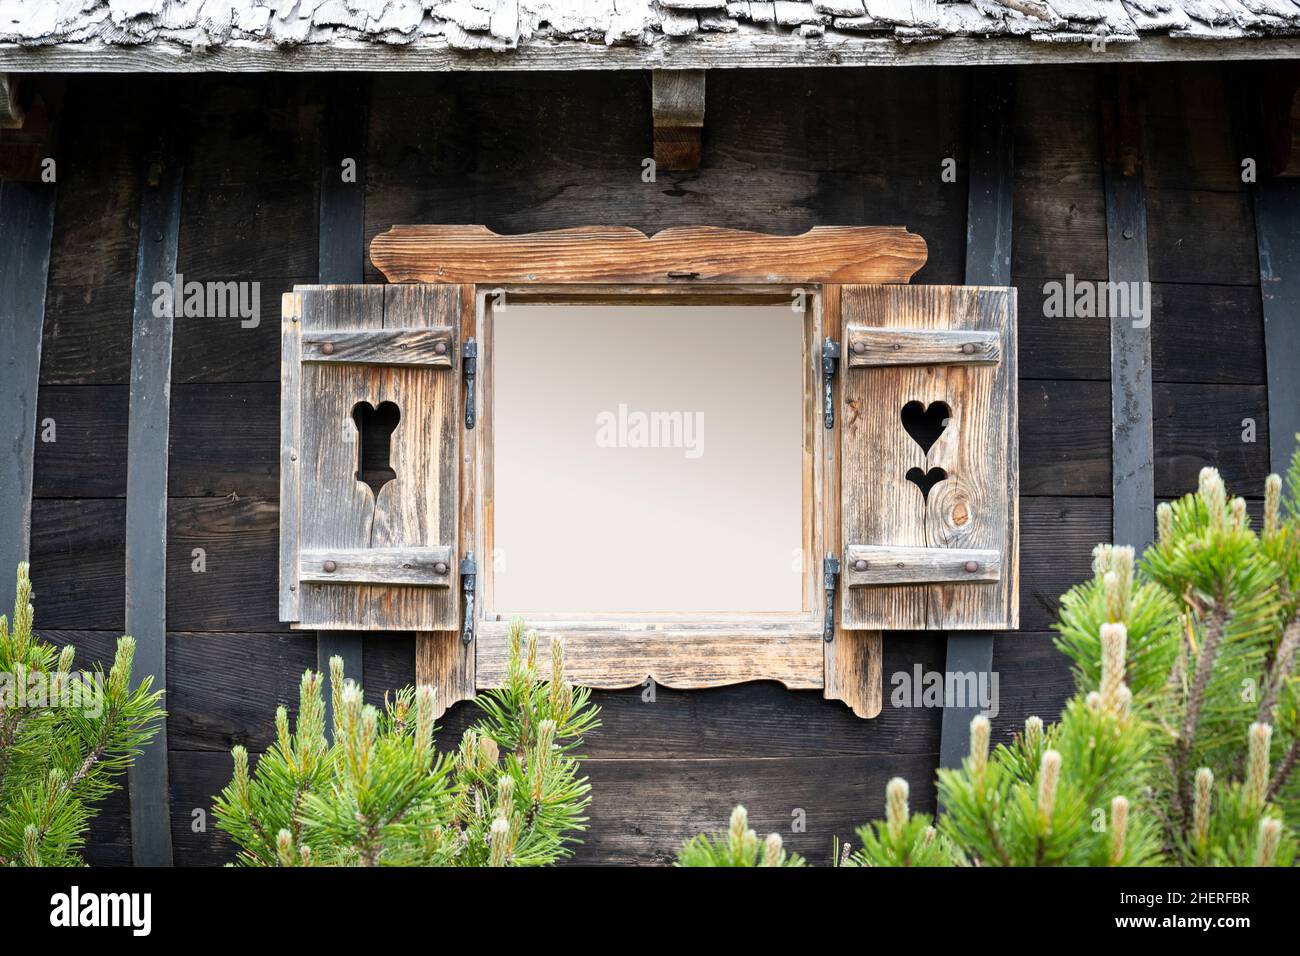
column 468, row 580
column 469, row 369
column 831, row 581
column 830, row 362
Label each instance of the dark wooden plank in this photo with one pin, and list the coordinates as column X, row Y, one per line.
column 78, row 562
column 1277, row 222
column 1207, row 333
column 26, row 224
column 1057, row 536
column 238, row 588
column 146, row 492
column 1065, row 446
column 1197, row 426
column 225, row 439
column 234, row 349
column 1130, row 338
column 87, row 458
column 341, row 258
column 1182, row 249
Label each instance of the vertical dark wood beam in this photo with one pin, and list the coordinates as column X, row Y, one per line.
column 26, row 227
column 149, row 421
column 342, row 259
column 1277, row 232
column 1132, row 445
column 988, row 262
column 677, row 103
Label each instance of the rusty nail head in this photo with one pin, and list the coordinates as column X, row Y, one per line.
column 968, row 349
column 859, row 348
column 440, row 348
column 328, row 348
column 440, row 567
column 330, row 567
column 972, row 566
column 859, row 565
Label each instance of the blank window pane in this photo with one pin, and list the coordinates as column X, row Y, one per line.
column 647, row 459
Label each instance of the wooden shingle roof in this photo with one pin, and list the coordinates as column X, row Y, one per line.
column 567, row 34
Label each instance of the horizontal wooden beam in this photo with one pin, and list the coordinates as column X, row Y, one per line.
column 745, row 48
column 871, row 565
column 888, row 347
column 685, row 256
column 380, row 347
column 417, row 567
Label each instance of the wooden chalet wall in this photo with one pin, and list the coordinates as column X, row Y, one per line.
column 782, row 151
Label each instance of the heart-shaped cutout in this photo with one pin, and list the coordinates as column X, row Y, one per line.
column 925, row 425
column 374, row 439
column 925, row 480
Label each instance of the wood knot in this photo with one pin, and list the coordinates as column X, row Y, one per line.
column 960, row 514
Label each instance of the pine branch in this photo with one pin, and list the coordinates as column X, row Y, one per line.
column 1214, row 627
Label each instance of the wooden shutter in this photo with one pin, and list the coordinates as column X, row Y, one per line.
column 352, row 559
column 929, row 534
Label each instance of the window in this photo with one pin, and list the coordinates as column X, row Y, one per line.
column 702, row 457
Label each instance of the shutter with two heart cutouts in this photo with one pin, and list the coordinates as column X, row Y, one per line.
column 369, row 457
column 929, row 478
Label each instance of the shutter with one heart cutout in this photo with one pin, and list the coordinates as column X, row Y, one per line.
column 929, row 479
column 369, row 457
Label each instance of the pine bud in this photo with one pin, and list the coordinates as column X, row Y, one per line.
column 240, row 781
column 1033, row 733
column 282, row 737
column 1102, row 556
column 1110, row 590
column 1118, row 829
column 1272, row 505
column 336, row 695
column 284, row 848
column 505, row 795
column 1118, row 583
column 498, row 842
column 1125, row 700
column 1114, row 641
column 1093, row 701
column 1270, row 835
column 896, row 812
column 1240, row 520
column 737, row 827
column 1164, row 523
column 31, row 852
column 1261, row 735
column 1049, row 774
column 772, row 852
column 980, row 731
column 1215, row 496
column 1201, row 803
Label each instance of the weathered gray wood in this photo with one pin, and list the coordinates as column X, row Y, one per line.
column 1132, row 457
column 749, row 47
column 869, row 347
column 417, row 508
column 26, row 225
column 290, row 453
column 146, row 493
column 386, row 347
column 989, row 213
column 868, row 566
column 418, row 567
column 973, row 504
column 1277, row 226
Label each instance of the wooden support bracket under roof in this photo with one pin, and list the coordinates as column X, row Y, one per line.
column 678, row 105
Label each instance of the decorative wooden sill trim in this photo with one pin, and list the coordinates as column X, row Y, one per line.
column 619, row 254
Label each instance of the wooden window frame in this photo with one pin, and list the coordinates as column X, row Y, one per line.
column 623, row 265
column 612, row 650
